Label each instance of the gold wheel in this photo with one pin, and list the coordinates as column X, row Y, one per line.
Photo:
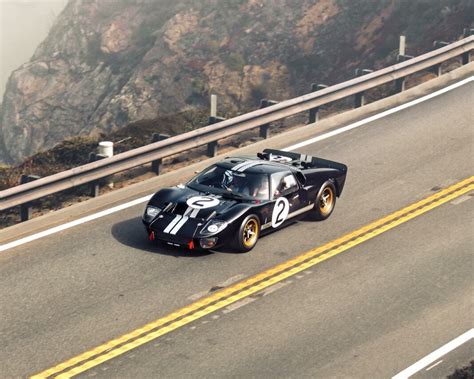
column 250, row 233
column 326, row 201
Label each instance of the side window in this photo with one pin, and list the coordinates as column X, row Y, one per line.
column 288, row 184
column 283, row 183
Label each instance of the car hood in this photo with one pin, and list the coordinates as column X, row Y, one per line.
column 186, row 211
column 194, row 204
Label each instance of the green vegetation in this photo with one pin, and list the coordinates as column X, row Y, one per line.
column 234, row 61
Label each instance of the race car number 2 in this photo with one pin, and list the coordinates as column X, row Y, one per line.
column 202, row 202
column 280, row 212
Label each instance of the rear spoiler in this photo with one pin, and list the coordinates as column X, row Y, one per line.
column 306, row 160
column 267, row 153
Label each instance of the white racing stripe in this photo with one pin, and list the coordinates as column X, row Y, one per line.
column 179, row 225
column 249, row 165
column 333, row 133
column 241, row 167
column 238, row 166
column 443, row 350
column 173, row 223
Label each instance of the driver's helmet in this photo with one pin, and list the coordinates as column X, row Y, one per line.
column 227, row 179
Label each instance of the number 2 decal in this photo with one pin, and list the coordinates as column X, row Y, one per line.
column 202, row 202
column 280, row 212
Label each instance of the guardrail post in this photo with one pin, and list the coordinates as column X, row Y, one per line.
column 466, row 57
column 359, row 99
column 106, row 149
column 265, row 128
column 26, row 209
column 401, row 57
column 402, row 45
column 212, row 146
column 157, row 164
column 95, row 185
column 314, row 112
column 400, row 84
column 436, row 69
column 213, row 106
column 212, row 149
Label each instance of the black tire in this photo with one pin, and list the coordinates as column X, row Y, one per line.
column 247, row 234
column 325, row 202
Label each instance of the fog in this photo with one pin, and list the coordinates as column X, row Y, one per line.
column 23, row 25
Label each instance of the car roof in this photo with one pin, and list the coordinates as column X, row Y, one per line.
column 254, row 165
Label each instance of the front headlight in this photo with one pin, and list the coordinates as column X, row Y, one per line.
column 151, row 212
column 213, row 227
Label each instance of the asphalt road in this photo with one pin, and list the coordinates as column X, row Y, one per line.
column 373, row 310
column 368, row 313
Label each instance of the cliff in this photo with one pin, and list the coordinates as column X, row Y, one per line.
column 106, row 64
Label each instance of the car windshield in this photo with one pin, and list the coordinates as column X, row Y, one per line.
column 225, row 181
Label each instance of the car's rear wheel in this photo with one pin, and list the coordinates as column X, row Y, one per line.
column 247, row 235
column 325, row 202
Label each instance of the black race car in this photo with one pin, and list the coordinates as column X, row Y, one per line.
column 233, row 202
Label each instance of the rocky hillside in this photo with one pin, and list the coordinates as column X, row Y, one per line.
column 106, row 64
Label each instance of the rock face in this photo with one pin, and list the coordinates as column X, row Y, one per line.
column 108, row 63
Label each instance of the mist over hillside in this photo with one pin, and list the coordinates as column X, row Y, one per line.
column 106, row 64
column 24, row 24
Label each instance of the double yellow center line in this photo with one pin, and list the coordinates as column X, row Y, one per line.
column 245, row 288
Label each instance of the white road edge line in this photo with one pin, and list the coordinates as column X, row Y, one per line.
column 71, row 224
column 380, row 115
column 443, row 350
column 333, row 133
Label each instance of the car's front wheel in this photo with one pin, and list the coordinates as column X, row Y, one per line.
column 247, row 235
column 325, row 202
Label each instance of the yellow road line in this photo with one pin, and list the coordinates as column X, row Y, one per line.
column 245, row 288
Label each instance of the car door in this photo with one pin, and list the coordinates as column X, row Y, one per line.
column 285, row 192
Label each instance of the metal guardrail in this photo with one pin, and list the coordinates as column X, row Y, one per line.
column 37, row 189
